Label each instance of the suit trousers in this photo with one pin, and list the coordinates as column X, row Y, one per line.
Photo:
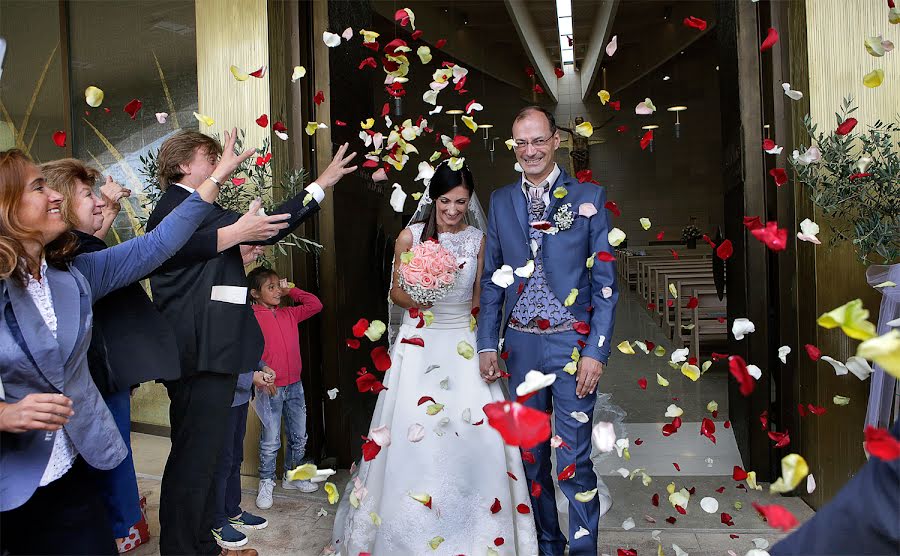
column 549, row 353
column 67, row 516
column 199, row 410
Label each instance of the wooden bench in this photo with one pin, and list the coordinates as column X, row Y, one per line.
column 708, row 331
column 628, row 258
column 679, row 314
column 646, row 262
column 658, row 285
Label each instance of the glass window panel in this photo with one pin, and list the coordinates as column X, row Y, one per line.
column 565, row 25
column 563, row 8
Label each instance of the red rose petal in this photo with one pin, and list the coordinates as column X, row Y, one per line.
column 498, row 541
column 368, row 62
column 352, row 343
column 495, row 507
column 646, row 139
column 132, row 108
column 846, row 126
column 777, row 516
column 655, row 500
column 695, row 22
column 417, row 34
column 612, row 207
column 813, row 352
column 638, row 442
column 581, row 327
column 720, row 490
column 881, row 444
column 725, row 250
column 752, row 222
column 367, row 382
column 678, row 468
column 59, row 137
column 538, row 89
column 262, row 121
column 381, row 359
column 771, row 39
column 359, row 329
column 523, row 509
column 518, row 425
column 738, row 369
column 425, row 399
column 319, row 98
column 536, row 489
column 727, row 424
column 768, row 144
column 764, row 420
column 642, row 382
column 801, row 410
column 441, row 43
column 567, row 473
column 781, row 439
column 780, row 176
column 616, row 105
column 605, row 257
column 660, row 235
column 726, row 519
column 412, row 341
column 559, row 72
column 671, row 520
column 708, row 429
column 370, row 449
column 692, row 303
column 738, row 474
column 543, row 324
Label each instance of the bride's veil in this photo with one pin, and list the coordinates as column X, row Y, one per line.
column 474, row 217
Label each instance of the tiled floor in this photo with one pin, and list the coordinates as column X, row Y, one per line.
column 297, row 528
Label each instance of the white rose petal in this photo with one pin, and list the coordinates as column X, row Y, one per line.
column 645, row 223
column 839, row 368
column 381, row 436
column 581, row 532
column 332, row 394
column 467, row 415
column 674, row 411
column 347, row 34
column 298, row 73
column 810, row 486
column 628, row 524
column 859, row 367
column 534, row 381
column 398, row 198
column 604, row 437
column 161, row 117
column 415, row 433
column 615, row 237
column 331, row 40
column 754, row 371
column 426, row 171
column 710, row 505
column 579, row 416
column 741, row 327
column 612, row 46
column 679, row 551
column 526, row 270
column 503, row 276
column 808, row 231
column 621, row 446
column 606, row 292
column 587, row 210
column 680, row 355
column 623, row 472
column 783, row 352
column 437, row 110
column 790, row 93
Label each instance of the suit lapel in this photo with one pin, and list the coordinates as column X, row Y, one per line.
column 67, row 305
column 37, row 337
column 520, row 207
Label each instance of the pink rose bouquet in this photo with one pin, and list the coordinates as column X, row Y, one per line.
column 427, row 272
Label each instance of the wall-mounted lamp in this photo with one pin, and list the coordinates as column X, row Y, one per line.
column 485, row 127
column 455, row 113
column 677, row 109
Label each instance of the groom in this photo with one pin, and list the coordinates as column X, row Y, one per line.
column 567, row 303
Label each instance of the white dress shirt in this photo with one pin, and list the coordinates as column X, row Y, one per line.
column 63, row 454
column 551, row 179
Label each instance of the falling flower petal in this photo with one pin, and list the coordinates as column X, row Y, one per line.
column 646, row 139
column 132, row 108
column 579, row 416
column 674, row 411
column 883, row 350
column 877, row 46
column 645, row 223
column 615, row 237
column 852, row 318
column 808, row 231
column 380, row 358
column 381, row 436
column 738, row 369
column 793, row 470
column 841, row 400
column 810, row 484
column 298, row 73
column 503, row 276
column 518, row 425
column 375, row 330
column 774, row 237
column 331, row 40
column 846, row 126
column 779, row 175
column 59, row 137
column 586, row 496
column 398, row 198
column 379, row 175
column 603, row 436
column 881, row 444
column 612, row 46
column 238, row 74
column 415, row 433
column 725, row 250
column 695, row 22
column 585, row 129
column 534, row 381
column 332, row 492
column 625, row 347
column 690, row 371
column 604, row 96
column 777, row 516
column 790, row 93
column 769, row 42
column 259, row 73
column 93, row 96
column 874, row 78
column 742, row 326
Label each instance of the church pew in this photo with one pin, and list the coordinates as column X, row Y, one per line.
column 657, row 289
column 679, row 314
column 644, row 264
column 708, row 332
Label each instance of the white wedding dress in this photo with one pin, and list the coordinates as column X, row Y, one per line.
column 461, row 462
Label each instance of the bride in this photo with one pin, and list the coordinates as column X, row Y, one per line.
column 457, row 488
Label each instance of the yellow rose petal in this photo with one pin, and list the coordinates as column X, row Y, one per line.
column 615, row 237
column 884, row 350
column 571, row 367
column 672, row 290
column 510, row 144
column 205, row 120
column 570, row 299
column 375, row 330
column 751, row 481
column 376, row 519
column 852, row 318
column 659, row 351
column 238, row 74
column 590, row 262
column 560, row 192
column 434, row 408
column 604, row 96
column 428, row 316
column 435, row 542
column 661, row 380
column 473, row 322
column 645, row 223
column 690, row 371
column 874, row 78
column 841, row 400
column 303, row 473
column 586, row 496
column 585, row 129
column 470, row 123
column 424, row 54
column 625, row 347
column 712, row 406
column 298, row 73
column 332, row 492
column 367, row 124
column 793, row 470
column 93, row 96
column 311, row 127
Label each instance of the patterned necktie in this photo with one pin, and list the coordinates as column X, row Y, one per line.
column 536, row 194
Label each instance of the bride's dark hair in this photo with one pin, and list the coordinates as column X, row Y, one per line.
column 444, row 180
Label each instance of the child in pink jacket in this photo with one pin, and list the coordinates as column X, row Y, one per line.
column 282, row 354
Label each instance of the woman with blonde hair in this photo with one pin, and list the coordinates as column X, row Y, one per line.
column 54, row 425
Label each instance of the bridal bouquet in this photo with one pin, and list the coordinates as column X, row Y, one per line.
column 427, row 272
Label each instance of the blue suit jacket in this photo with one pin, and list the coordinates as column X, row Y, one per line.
column 33, row 361
column 564, row 255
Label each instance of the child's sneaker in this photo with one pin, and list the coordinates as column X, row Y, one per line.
column 302, row 486
column 229, row 537
column 248, row 521
column 264, row 498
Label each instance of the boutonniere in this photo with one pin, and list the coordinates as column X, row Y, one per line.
column 564, row 217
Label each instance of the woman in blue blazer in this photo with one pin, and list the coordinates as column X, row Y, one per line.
column 53, row 421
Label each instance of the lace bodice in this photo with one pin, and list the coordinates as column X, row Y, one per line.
column 465, row 245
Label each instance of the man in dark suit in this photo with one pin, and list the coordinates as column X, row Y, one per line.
column 202, row 292
column 862, row 519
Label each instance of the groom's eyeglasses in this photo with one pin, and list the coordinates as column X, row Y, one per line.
column 538, row 143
